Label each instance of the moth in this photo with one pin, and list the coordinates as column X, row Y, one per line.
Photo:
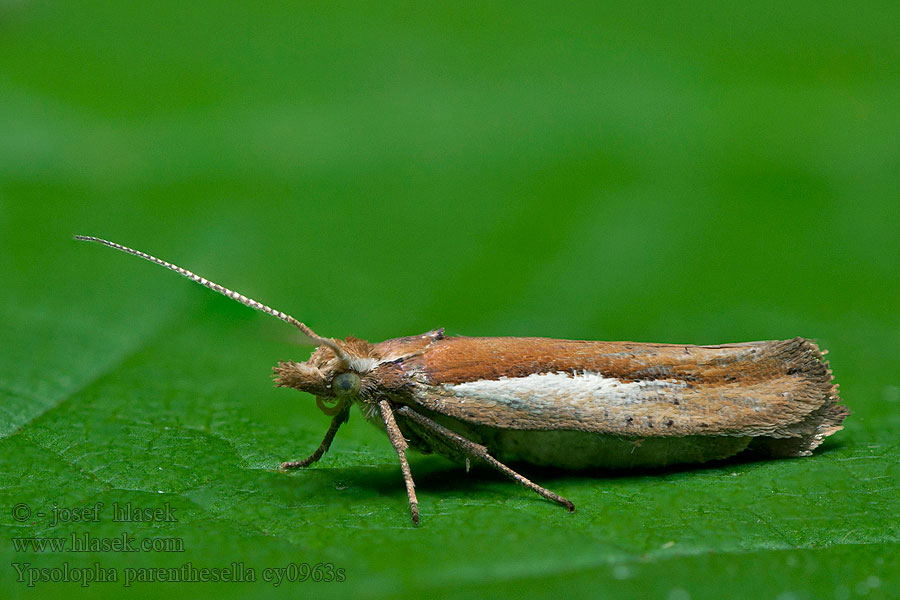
column 572, row 404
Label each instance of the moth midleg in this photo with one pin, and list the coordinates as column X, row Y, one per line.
column 338, row 420
column 472, row 450
column 400, row 445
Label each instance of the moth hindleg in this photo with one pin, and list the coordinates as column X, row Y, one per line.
column 400, row 445
column 338, row 420
column 472, row 450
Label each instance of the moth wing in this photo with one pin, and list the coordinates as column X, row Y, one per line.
column 777, row 389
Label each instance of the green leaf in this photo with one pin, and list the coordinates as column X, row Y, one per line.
column 697, row 174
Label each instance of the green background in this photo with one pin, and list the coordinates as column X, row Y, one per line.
column 672, row 172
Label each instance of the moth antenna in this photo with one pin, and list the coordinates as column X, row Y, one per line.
column 309, row 333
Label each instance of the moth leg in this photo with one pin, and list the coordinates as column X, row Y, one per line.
column 338, row 420
column 399, row 443
column 472, row 450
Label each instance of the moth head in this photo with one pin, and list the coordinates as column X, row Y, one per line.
column 329, row 377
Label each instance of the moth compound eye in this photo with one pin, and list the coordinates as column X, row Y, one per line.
column 346, row 384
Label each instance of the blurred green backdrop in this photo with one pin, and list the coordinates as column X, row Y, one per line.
column 674, row 172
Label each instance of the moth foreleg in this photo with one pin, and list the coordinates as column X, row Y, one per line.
column 338, row 420
column 400, row 445
column 476, row 451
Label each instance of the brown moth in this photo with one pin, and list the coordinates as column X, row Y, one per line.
column 566, row 403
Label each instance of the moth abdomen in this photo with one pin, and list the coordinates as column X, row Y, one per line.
column 577, row 450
